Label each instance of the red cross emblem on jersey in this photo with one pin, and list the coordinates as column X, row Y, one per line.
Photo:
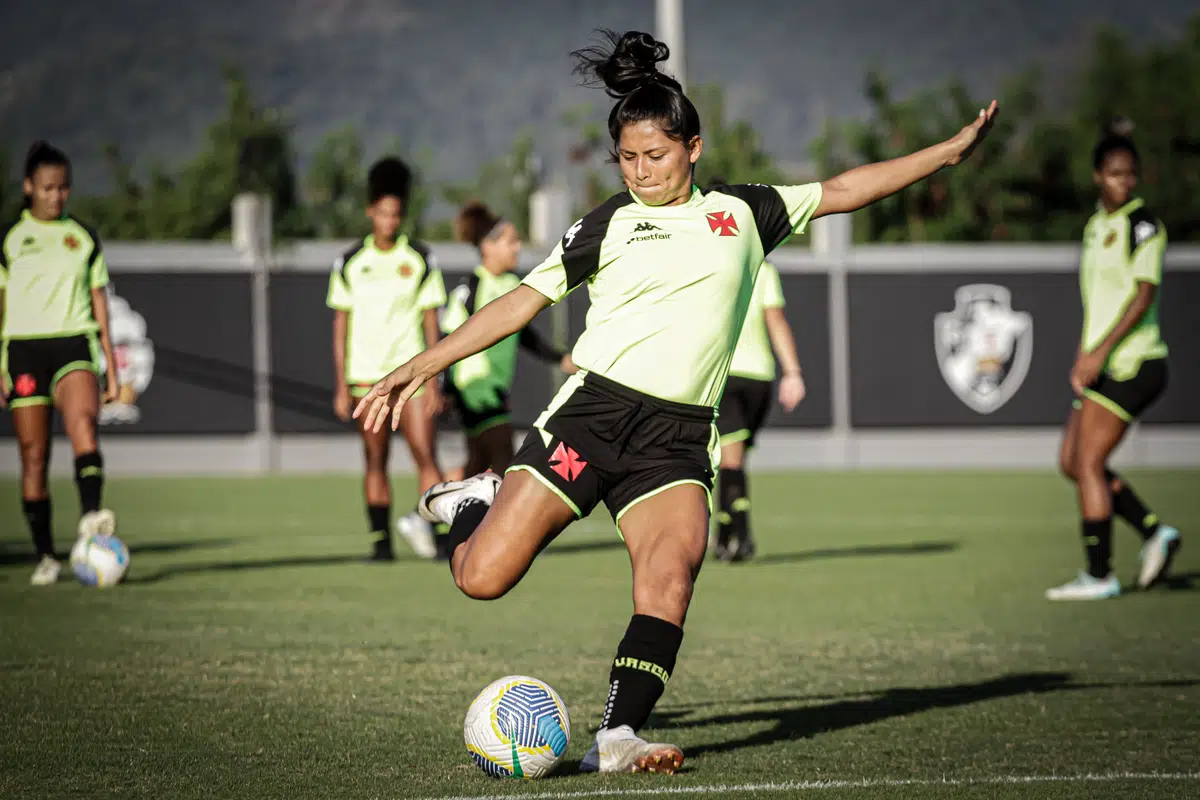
column 566, row 462
column 71, row 242
column 24, row 385
column 405, row 270
column 722, row 223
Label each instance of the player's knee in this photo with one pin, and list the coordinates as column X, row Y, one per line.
column 34, row 456
column 669, row 591
column 1066, row 465
column 479, row 584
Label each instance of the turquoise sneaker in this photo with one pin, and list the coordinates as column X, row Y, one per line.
column 1156, row 556
column 1085, row 587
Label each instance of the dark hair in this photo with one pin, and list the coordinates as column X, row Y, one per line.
column 389, row 177
column 475, row 221
column 1116, row 137
column 43, row 154
column 627, row 65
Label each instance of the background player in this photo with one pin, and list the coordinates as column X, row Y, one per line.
column 1120, row 370
column 635, row 428
column 746, row 403
column 479, row 385
column 55, row 325
column 385, row 292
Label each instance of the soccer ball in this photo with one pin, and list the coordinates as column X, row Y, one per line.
column 517, row 727
column 100, row 561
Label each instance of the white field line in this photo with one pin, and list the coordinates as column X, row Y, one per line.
column 862, row 783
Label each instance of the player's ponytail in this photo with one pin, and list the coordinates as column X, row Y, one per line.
column 627, row 66
column 1117, row 136
column 43, row 154
column 475, row 222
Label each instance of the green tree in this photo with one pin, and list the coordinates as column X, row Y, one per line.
column 505, row 183
column 732, row 148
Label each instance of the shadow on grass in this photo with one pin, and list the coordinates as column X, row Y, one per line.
column 14, row 552
column 246, row 565
column 1187, row 581
column 909, row 549
column 801, row 719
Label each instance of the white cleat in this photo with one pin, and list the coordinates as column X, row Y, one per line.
column 1085, row 587
column 443, row 501
column 622, row 750
column 1156, row 556
column 93, row 523
column 46, row 572
column 418, row 533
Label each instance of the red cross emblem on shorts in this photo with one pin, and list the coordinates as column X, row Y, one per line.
column 723, row 222
column 566, row 462
column 24, row 385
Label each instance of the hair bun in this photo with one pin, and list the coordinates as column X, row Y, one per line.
column 629, row 62
column 1120, row 126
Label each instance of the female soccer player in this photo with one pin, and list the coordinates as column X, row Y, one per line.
column 670, row 270
column 385, row 292
column 55, row 325
column 479, row 385
column 746, row 402
column 1120, row 370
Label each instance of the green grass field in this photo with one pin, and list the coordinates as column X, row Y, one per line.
column 890, row 641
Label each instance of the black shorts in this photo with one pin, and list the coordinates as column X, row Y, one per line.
column 743, row 410
column 33, row 367
column 1129, row 399
column 601, row 441
column 479, row 411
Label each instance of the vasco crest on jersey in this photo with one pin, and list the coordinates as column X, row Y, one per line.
column 983, row 347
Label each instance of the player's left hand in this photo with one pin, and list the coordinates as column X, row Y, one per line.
column 791, row 391
column 965, row 141
column 111, row 389
column 388, row 396
column 1086, row 370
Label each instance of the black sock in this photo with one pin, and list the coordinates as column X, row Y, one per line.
column 727, row 494
column 441, row 538
column 644, row 662
column 89, row 480
column 380, row 518
column 37, row 515
column 465, row 522
column 1129, row 507
column 736, row 501
column 1097, row 540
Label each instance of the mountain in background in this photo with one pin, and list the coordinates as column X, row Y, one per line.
column 456, row 80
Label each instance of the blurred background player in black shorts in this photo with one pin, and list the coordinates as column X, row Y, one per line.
column 1120, row 371
column 385, row 292
column 55, row 329
column 746, row 403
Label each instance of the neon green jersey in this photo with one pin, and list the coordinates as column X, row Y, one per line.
column 481, row 378
column 385, row 294
column 1120, row 250
column 47, row 272
column 670, row 285
column 752, row 358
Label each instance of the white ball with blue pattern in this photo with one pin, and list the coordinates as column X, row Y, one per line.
column 101, row 561
column 517, row 727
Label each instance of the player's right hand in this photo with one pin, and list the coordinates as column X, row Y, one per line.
column 342, row 402
column 389, row 396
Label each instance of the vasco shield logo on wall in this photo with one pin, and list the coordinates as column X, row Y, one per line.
column 983, row 346
column 134, row 353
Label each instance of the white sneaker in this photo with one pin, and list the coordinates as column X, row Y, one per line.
column 46, row 572
column 1156, row 555
column 1085, row 587
column 622, row 750
column 93, row 523
column 418, row 533
column 443, row 501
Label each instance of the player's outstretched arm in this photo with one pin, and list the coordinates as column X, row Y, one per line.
column 497, row 320
column 861, row 186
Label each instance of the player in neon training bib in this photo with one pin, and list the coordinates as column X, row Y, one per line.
column 1120, row 370
column 385, row 292
column 670, row 270
column 479, row 385
column 55, row 328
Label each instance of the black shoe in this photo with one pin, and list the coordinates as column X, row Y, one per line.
column 722, row 548
column 381, row 552
column 745, row 550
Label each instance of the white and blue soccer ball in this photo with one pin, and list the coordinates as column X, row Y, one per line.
column 517, row 727
column 100, row 560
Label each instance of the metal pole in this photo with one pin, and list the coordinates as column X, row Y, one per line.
column 669, row 18
column 832, row 237
column 252, row 236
